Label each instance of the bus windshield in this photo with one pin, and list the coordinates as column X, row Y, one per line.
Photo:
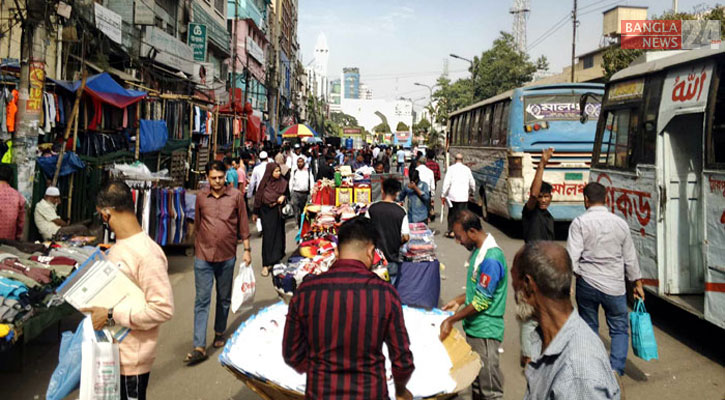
column 557, row 107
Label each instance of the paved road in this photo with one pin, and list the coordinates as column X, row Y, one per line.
column 691, row 364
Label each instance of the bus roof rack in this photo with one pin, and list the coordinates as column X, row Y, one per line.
column 664, row 63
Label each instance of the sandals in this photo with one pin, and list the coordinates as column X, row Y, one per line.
column 450, row 235
column 265, row 271
column 195, row 357
column 219, row 341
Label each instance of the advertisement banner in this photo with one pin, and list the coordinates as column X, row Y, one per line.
column 35, row 94
column 197, row 40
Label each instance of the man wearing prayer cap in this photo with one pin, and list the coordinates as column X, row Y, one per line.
column 50, row 225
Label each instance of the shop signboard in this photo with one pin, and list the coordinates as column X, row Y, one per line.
column 197, row 40
column 254, row 50
column 143, row 12
column 168, row 50
column 108, row 22
column 351, row 131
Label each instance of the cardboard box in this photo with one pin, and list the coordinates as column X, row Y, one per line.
column 466, row 365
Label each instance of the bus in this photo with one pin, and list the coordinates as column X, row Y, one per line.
column 501, row 139
column 660, row 151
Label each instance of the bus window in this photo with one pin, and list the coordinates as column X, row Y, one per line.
column 465, row 128
column 476, row 127
column 496, row 124
column 716, row 137
column 486, row 138
column 503, row 132
column 454, row 130
column 621, row 127
column 653, row 93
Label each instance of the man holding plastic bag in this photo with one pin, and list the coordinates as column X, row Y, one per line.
column 603, row 256
column 143, row 261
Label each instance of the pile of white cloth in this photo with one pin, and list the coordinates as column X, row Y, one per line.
column 256, row 350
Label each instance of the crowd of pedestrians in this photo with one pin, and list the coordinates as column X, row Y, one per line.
column 561, row 351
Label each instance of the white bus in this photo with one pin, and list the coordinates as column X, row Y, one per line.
column 660, row 151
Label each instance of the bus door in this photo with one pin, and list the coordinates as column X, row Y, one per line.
column 683, row 211
column 685, row 93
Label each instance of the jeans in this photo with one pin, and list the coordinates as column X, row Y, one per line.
column 588, row 300
column 401, row 168
column 393, row 268
column 204, row 274
column 299, row 200
column 489, row 384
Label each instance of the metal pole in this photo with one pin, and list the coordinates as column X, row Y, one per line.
column 573, row 41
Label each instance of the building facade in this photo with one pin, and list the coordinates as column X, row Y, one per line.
column 351, row 82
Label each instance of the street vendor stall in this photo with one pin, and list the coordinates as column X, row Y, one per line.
column 30, row 273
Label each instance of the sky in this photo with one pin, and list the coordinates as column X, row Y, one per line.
column 396, row 43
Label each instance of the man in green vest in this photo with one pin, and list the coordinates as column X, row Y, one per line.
column 484, row 302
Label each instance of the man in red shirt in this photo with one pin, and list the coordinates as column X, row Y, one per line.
column 12, row 207
column 338, row 321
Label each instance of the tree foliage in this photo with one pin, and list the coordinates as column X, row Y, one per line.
column 616, row 58
column 401, row 127
column 500, row 68
column 381, row 128
column 422, row 126
column 343, row 119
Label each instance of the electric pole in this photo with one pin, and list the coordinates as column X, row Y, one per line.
column 573, row 41
column 30, row 93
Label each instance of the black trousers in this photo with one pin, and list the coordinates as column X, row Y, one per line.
column 453, row 212
column 133, row 387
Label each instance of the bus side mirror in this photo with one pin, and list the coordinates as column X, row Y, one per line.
column 583, row 117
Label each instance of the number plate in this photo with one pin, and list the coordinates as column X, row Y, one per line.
column 573, row 176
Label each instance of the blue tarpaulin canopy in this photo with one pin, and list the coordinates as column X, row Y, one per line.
column 71, row 163
column 106, row 89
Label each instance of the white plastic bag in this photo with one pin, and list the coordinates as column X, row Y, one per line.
column 245, row 286
column 100, row 365
column 259, row 225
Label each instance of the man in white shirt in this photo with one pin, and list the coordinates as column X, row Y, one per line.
column 47, row 220
column 457, row 185
column 292, row 158
column 401, row 160
column 300, row 183
column 376, row 151
column 257, row 174
column 426, row 175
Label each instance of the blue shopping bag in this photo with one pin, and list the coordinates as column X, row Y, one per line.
column 67, row 375
column 644, row 344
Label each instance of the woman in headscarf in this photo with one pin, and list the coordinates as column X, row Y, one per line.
column 268, row 203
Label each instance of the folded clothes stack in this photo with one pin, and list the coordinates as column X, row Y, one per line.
column 29, row 274
column 421, row 246
column 314, row 256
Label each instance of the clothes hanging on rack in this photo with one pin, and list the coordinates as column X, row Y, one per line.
column 160, row 212
column 176, row 115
